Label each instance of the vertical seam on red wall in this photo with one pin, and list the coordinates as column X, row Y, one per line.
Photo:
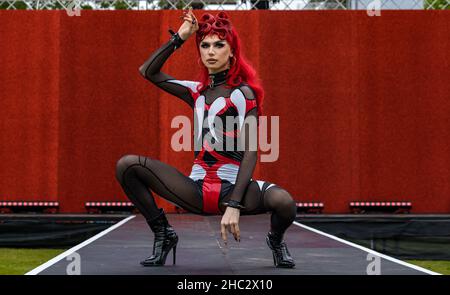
column 355, row 110
column 58, row 127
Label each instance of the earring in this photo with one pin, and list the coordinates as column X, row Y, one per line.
column 233, row 62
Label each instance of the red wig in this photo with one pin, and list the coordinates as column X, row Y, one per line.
column 241, row 70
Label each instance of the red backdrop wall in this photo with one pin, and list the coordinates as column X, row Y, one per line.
column 363, row 103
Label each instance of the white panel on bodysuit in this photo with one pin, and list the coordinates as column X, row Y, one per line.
column 216, row 107
column 238, row 99
column 188, row 84
column 197, row 172
column 200, row 111
column 228, row 172
column 199, row 104
column 261, row 183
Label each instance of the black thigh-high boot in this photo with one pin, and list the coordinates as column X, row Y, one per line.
column 165, row 239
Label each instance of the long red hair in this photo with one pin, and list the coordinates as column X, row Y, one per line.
column 240, row 70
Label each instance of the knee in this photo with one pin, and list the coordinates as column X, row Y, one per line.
column 123, row 163
column 288, row 202
column 284, row 200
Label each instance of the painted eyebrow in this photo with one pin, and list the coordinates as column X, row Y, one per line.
column 221, row 41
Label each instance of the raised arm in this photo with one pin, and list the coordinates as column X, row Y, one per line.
column 151, row 69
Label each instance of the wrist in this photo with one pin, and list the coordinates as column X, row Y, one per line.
column 176, row 39
column 232, row 210
column 183, row 37
column 233, row 204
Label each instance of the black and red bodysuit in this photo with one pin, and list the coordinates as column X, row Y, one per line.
column 217, row 173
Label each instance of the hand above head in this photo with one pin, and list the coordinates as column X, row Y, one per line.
column 230, row 223
column 189, row 26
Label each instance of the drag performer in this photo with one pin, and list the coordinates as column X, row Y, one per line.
column 220, row 180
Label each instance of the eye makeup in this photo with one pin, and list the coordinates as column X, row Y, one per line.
column 218, row 44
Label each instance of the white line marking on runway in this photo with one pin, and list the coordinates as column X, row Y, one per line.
column 368, row 250
column 77, row 247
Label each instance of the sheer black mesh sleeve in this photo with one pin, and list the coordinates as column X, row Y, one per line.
column 151, row 70
column 248, row 163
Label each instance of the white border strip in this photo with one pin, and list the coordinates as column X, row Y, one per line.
column 77, row 247
column 368, row 250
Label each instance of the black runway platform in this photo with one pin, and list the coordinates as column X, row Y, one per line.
column 119, row 249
